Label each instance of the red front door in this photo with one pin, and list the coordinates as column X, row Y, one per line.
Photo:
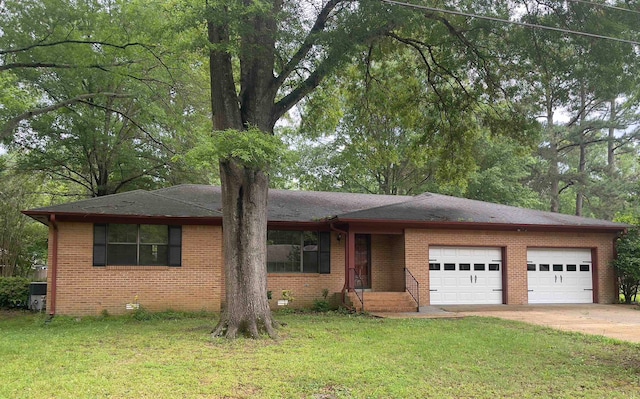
column 363, row 261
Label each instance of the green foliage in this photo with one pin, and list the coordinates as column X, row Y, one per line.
column 252, row 148
column 23, row 241
column 627, row 263
column 14, row 292
column 321, row 305
column 287, row 295
column 503, row 169
column 129, row 101
column 389, row 126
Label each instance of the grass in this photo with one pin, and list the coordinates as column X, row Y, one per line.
column 319, row 356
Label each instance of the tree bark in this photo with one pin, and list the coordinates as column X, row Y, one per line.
column 582, row 161
column 244, row 222
column 244, row 189
column 554, row 173
column 582, row 167
column 611, row 159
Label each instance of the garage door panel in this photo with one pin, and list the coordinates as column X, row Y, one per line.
column 555, row 276
column 465, row 275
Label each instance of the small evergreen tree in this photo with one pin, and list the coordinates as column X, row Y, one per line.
column 627, row 264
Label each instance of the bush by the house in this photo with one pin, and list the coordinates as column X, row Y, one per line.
column 14, row 292
column 321, row 305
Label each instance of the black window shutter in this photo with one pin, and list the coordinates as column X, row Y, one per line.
column 324, row 254
column 175, row 245
column 99, row 244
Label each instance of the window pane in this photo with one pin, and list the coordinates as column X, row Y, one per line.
column 283, row 251
column 465, row 266
column 434, row 266
column 544, row 268
column 449, row 266
column 121, row 254
column 571, row 268
column 557, row 268
column 123, row 233
column 310, row 252
column 584, row 268
column 478, row 266
column 531, row 267
column 153, row 254
column 154, row 234
column 494, row 266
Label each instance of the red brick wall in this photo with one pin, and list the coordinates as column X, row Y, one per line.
column 307, row 287
column 83, row 289
column 515, row 263
column 199, row 283
column 387, row 263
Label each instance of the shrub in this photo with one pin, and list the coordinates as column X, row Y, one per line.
column 320, row 305
column 14, row 292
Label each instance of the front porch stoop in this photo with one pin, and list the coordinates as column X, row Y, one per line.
column 396, row 302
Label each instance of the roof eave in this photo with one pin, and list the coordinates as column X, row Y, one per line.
column 484, row 225
column 43, row 217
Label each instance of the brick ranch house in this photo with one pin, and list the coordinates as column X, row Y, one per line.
column 164, row 247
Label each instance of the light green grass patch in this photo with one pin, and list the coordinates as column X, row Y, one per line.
column 318, row 356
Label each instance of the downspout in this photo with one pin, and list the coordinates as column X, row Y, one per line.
column 345, row 287
column 54, row 266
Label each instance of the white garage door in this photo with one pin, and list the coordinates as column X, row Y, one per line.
column 559, row 275
column 465, row 275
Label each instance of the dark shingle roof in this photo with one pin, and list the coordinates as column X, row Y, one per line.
column 429, row 207
column 131, row 203
column 200, row 201
column 288, row 205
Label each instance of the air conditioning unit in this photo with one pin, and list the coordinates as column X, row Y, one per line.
column 38, row 296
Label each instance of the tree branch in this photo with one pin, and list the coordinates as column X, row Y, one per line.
column 300, row 92
column 146, row 172
column 133, row 122
column 308, row 42
column 70, row 41
column 566, row 186
column 36, row 65
column 416, row 46
column 13, row 123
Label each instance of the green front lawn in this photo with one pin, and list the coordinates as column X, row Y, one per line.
column 319, row 356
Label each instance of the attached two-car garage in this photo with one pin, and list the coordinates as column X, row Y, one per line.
column 474, row 275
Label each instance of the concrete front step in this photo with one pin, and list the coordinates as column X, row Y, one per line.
column 397, row 302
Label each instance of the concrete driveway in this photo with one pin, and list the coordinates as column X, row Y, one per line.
column 614, row 321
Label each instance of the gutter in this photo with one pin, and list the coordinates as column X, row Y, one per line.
column 54, row 266
column 346, row 260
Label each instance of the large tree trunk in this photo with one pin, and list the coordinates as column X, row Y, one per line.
column 244, row 189
column 582, row 161
column 582, row 167
column 611, row 159
column 554, row 173
column 244, row 221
